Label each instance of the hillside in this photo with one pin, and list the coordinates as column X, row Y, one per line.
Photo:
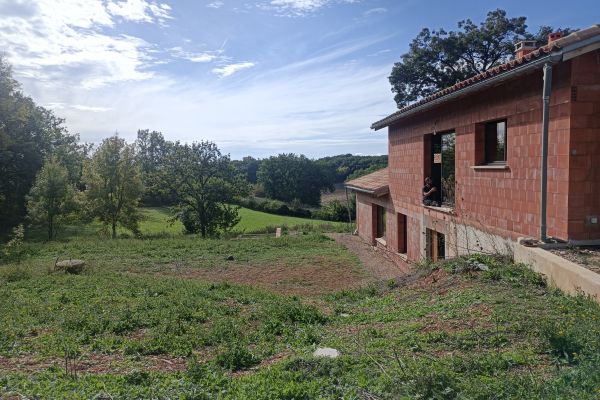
column 194, row 319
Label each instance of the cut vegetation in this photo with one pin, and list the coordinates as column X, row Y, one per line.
column 185, row 318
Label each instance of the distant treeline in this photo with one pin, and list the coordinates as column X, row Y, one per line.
column 48, row 177
column 338, row 168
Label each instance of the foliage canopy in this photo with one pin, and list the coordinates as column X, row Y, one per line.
column 438, row 58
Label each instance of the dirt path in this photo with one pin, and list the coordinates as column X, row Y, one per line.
column 374, row 261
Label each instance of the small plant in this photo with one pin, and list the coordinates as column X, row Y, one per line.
column 13, row 250
column 236, row 357
column 564, row 342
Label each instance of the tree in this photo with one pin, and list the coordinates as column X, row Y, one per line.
column 51, row 200
column 248, row 166
column 206, row 184
column 152, row 149
column 113, row 185
column 347, row 166
column 438, row 59
column 28, row 135
column 289, row 176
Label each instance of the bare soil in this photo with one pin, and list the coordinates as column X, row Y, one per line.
column 586, row 256
column 374, row 260
column 94, row 364
column 313, row 277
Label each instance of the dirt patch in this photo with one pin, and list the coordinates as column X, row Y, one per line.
column 374, row 260
column 313, row 277
column 310, row 277
column 94, row 364
column 431, row 280
column 586, row 256
column 475, row 317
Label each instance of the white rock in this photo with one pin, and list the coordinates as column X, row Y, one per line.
column 326, row 352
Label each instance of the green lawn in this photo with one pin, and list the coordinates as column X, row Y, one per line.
column 176, row 318
column 157, row 222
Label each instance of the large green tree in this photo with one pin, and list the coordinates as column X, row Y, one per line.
column 288, row 177
column 113, row 185
column 28, row 135
column 206, row 184
column 52, row 199
column 248, row 166
column 152, row 150
column 438, row 58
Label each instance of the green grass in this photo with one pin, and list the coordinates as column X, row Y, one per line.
column 157, row 222
column 452, row 333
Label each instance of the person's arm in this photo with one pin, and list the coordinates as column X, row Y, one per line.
column 432, row 190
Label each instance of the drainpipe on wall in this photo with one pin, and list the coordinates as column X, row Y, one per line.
column 544, row 166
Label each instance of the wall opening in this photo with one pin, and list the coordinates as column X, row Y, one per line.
column 381, row 223
column 436, row 245
column 439, row 156
column 402, row 234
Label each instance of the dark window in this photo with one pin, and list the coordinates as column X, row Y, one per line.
column 380, row 222
column 495, row 142
column 402, row 234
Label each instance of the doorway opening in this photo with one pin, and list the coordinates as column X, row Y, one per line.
column 436, row 245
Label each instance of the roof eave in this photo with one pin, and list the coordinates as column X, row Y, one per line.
column 522, row 69
column 380, row 191
column 569, row 51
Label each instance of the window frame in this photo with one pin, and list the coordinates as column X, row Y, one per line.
column 487, row 159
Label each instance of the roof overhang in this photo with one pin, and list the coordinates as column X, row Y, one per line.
column 562, row 54
column 379, row 192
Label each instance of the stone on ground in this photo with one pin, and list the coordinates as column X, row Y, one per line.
column 70, row 266
column 326, row 352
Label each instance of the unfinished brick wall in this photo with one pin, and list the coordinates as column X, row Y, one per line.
column 366, row 217
column 584, row 156
column 506, row 201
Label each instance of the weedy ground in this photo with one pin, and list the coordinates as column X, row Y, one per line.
column 177, row 318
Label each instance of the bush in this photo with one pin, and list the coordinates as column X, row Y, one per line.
column 335, row 210
column 13, row 250
column 236, row 357
column 270, row 206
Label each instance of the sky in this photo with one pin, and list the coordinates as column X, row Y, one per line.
column 257, row 77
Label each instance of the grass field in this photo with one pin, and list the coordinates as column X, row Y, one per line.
column 157, row 222
column 180, row 317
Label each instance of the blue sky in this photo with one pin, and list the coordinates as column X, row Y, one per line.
column 257, row 77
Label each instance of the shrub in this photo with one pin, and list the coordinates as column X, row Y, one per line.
column 13, row 250
column 236, row 357
column 335, row 210
column 563, row 340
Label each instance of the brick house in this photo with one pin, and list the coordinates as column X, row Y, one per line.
column 512, row 152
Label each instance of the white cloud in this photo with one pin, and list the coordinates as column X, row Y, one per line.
column 202, row 57
column 315, row 111
column 373, row 11
column 231, row 69
column 139, row 10
column 215, row 4
column 80, row 107
column 68, row 45
column 296, row 8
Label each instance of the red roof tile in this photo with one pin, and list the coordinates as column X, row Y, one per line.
column 494, row 71
column 375, row 183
